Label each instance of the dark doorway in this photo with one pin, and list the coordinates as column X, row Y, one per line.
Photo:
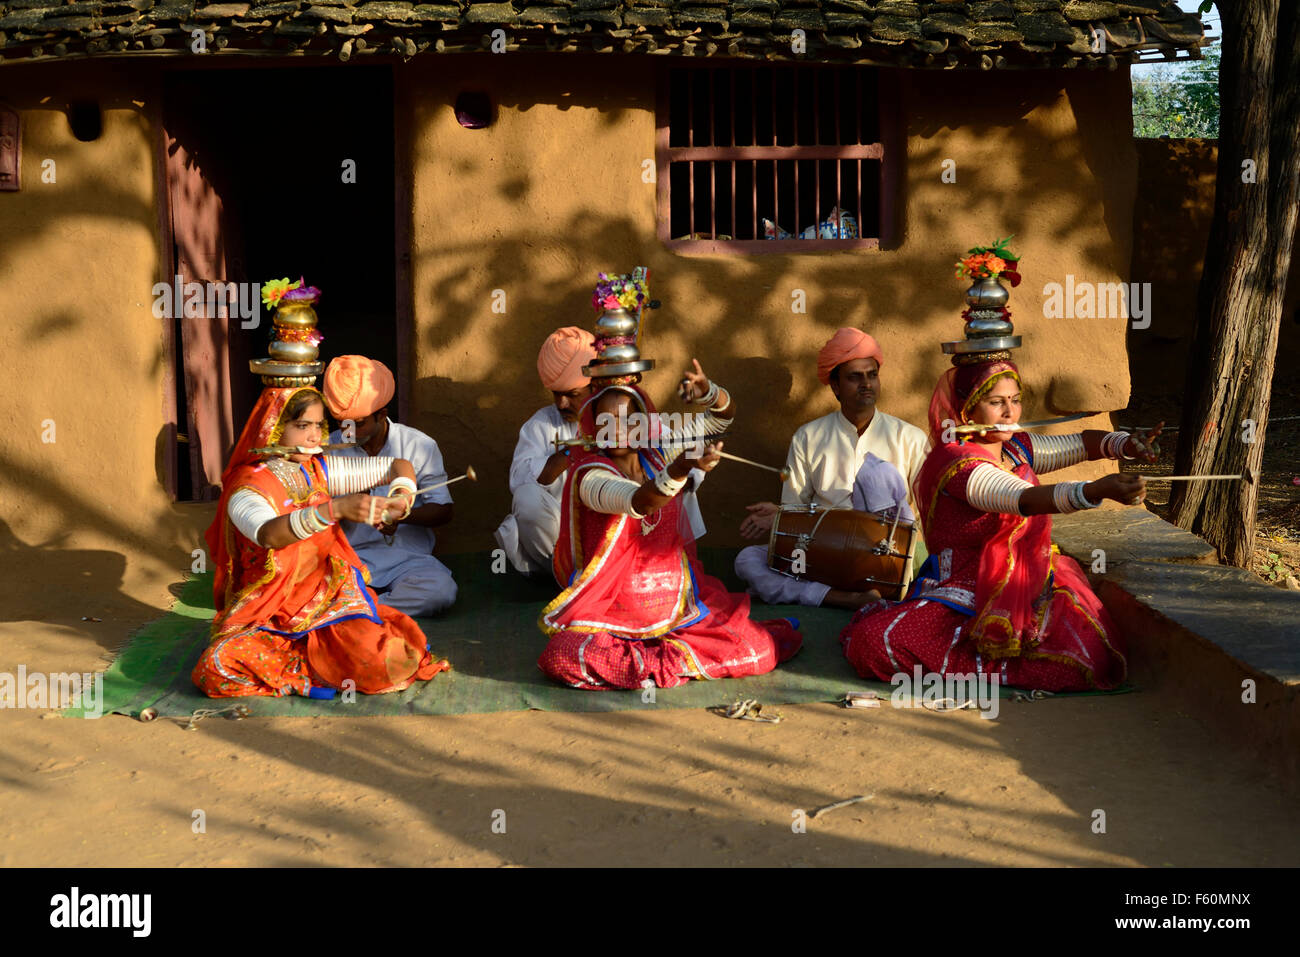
column 272, row 173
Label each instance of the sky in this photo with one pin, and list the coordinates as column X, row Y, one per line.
column 1212, row 30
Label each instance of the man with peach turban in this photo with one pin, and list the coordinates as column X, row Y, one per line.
column 399, row 556
column 529, row 532
column 855, row 457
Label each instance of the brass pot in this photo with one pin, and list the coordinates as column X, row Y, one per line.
column 300, row 352
column 295, row 315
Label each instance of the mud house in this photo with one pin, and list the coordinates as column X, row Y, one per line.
column 454, row 175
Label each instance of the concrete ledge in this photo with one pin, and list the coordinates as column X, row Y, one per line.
column 1197, row 632
column 1254, row 624
column 1128, row 535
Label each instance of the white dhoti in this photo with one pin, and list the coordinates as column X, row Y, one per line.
column 772, row 587
column 528, row 533
column 420, row 586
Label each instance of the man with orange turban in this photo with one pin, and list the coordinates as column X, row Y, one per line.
column 399, row 556
column 855, row 457
column 529, row 532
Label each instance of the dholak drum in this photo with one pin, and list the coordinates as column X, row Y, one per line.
column 843, row 548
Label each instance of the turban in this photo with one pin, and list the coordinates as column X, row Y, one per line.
column 356, row 386
column 563, row 355
column 845, row 346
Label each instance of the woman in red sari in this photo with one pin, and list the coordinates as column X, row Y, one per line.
column 637, row 607
column 294, row 613
column 996, row 596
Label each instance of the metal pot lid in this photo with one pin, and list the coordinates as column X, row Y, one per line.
column 272, row 367
column 603, row 371
column 991, row 344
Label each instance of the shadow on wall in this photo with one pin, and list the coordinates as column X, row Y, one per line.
column 1171, row 227
column 735, row 313
column 66, row 583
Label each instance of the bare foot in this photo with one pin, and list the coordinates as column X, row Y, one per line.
column 852, row 600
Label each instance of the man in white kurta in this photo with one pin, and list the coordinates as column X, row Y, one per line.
column 400, row 557
column 528, row 533
column 855, row 457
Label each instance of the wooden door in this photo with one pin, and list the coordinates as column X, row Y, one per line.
column 199, row 239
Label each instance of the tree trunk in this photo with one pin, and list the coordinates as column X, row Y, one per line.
column 1249, row 252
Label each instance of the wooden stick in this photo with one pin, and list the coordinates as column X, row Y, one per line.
column 469, row 474
column 839, row 804
column 1194, row 478
column 784, row 473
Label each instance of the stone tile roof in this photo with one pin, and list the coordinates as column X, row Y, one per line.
column 912, row 33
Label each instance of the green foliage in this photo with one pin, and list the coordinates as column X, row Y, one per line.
column 1178, row 103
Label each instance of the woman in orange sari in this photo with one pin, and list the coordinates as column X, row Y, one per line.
column 637, row 608
column 294, row 613
column 996, row 596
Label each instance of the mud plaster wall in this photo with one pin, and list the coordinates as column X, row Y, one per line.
column 535, row 206
column 552, row 193
column 83, row 356
column 1171, row 226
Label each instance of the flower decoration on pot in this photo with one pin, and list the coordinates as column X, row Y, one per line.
column 991, row 262
column 620, row 292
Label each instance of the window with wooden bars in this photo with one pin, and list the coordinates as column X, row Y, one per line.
column 775, row 158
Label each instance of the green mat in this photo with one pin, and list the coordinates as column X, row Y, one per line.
column 493, row 642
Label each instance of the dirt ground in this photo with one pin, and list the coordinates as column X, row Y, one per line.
column 672, row 788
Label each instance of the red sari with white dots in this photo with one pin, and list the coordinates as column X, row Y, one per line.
column 637, row 608
column 996, row 596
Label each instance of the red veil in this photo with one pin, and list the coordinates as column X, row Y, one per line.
column 1013, row 586
column 596, row 553
column 252, row 584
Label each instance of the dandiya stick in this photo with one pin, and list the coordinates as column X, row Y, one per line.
column 784, row 473
column 1245, row 476
column 469, row 474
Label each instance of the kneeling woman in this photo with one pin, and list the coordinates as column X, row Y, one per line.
column 636, row 605
column 996, row 596
column 294, row 613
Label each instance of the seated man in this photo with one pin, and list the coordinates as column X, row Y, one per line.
column 528, row 533
column 855, row 457
column 399, row 556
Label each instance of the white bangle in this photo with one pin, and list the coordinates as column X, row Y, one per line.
column 709, row 397
column 401, row 482
column 1112, row 446
column 1068, row 497
column 724, row 400
column 1061, row 498
column 665, row 484
column 306, row 522
column 1081, row 500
